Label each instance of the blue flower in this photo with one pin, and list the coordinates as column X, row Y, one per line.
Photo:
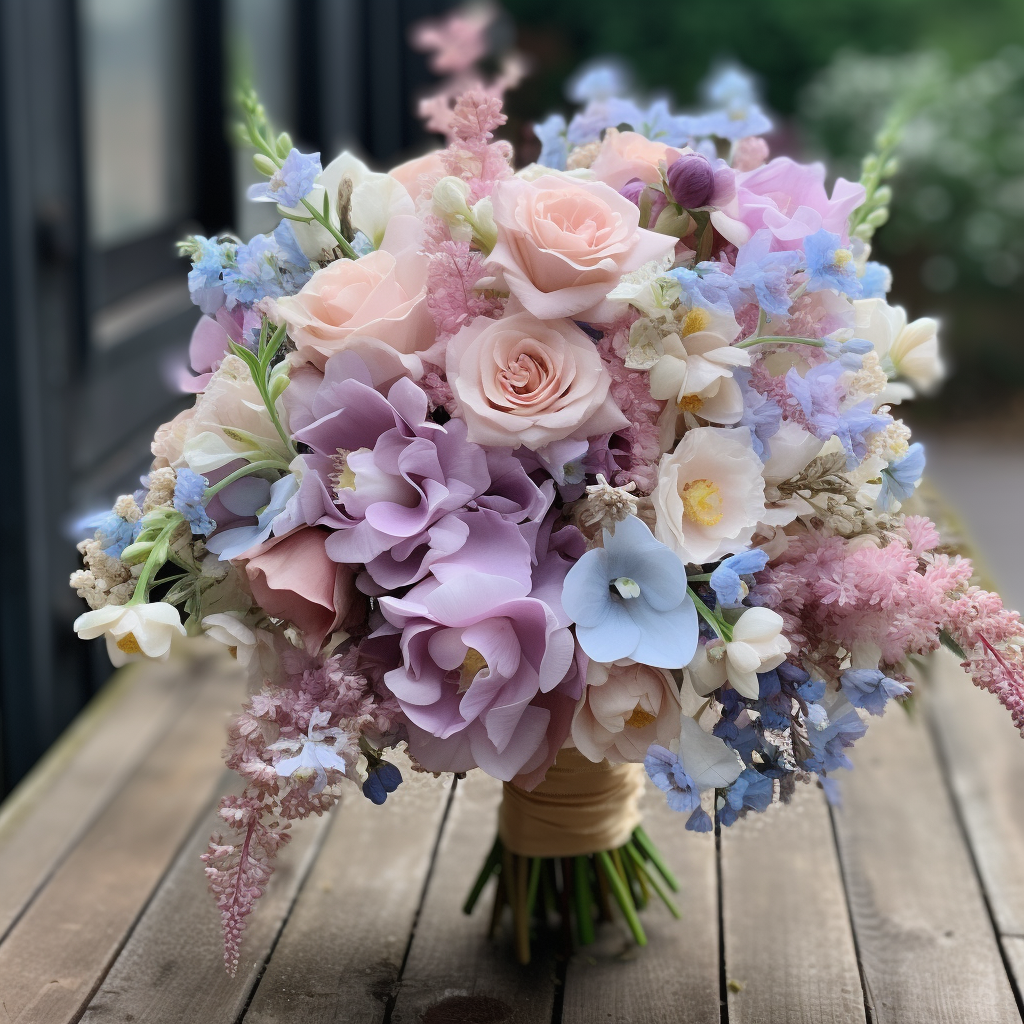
column 870, row 689
column 115, row 533
column 657, row 122
column 830, row 729
column 761, row 415
column 705, row 285
column 382, row 778
column 829, row 265
column 763, row 276
column 188, row 500
column 668, row 775
column 752, row 791
column 291, row 182
column 629, row 599
column 209, row 257
column 849, row 353
column 901, row 477
column 289, row 252
column 265, row 503
column 699, row 821
column 554, row 148
column 254, row 273
column 598, row 81
column 875, row 281
column 725, row 580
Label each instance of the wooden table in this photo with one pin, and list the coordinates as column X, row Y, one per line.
column 906, row 904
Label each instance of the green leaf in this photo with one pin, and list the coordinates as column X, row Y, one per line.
column 951, row 645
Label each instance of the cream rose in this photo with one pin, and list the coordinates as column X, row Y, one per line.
column 381, row 295
column 624, row 709
column 710, row 494
column 520, row 380
column 563, row 245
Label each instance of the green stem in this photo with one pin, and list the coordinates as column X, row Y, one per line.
column 342, row 241
column 655, row 858
column 490, row 866
column 649, row 876
column 781, row 340
column 722, row 629
column 703, row 577
column 584, row 911
column 622, row 896
column 253, row 467
column 153, row 562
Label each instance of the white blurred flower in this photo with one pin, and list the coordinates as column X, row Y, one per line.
column 132, row 630
column 227, row 628
column 908, row 350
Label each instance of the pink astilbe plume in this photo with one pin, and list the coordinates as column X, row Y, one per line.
column 457, row 42
column 472, row 155
column 328, row 708
column 452, row 277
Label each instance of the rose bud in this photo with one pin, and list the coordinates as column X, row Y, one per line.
column 691, row 180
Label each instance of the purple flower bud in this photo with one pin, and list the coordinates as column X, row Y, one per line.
column 691, row 180
column 632, row 190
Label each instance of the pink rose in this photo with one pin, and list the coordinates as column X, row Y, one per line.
column 421, row 174
column 627, row 155
column 381, row 295
column 790, row 200
column 520, row 380
column 564, row 244
column 292, row 578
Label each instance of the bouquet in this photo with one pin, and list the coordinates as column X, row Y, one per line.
column 568, row 474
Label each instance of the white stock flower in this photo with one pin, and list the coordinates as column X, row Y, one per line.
column 227, row 628
column 757, row 645
column 710, row 494
column 908, row 350
column 132, row 630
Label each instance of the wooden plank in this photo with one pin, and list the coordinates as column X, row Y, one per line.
column 675, row 979
column 339, row 956
column 48, row 811
column 926, row 943
column 984, row 759
column 789, row 951
column 58, row 952
column 453, row 972
column 172, row 968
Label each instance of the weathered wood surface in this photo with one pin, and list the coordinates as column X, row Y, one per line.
column 906, row 904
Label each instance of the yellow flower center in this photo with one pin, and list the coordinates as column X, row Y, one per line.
column 342, row 478
column 696, row 320
column 471, row 664
column 128, row 644
column 702, row 502
column 842, row 257
column 233, row 651
column 640, row 718
column 690, row 403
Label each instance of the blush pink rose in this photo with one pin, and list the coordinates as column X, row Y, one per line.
column 421, row 174
column 564, row 244
column 520, row 380
column 292, row 578
column 627, row 155
column 381, row 295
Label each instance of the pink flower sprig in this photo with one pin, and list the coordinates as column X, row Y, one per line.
column 452, row 277
column 329, row 701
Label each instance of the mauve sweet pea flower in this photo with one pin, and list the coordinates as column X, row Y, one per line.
column 691, row 180
column 629, row 599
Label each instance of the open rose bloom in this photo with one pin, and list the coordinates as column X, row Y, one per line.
column 593, row 459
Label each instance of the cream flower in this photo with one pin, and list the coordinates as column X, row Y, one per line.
column 905, row 350
column 227, row 628
column 757, row 645
column 710, row 494
column 624, row 709
column 132, row 630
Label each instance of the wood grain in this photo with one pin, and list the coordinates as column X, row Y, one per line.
column 674, row 979
column 172, row 969
column 46, row 814
column 984, row 758
column 926, row 943
column 339, row 955
column 59, row 951
column 789, row 950
column 453, row 973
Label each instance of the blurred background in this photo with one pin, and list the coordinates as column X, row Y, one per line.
column 115, row 141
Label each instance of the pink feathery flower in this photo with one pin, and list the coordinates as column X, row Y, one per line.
column 452, row 298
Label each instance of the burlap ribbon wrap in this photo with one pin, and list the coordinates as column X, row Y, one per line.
column 579, row 808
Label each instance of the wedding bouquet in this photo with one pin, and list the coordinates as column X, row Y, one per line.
column 595, row 461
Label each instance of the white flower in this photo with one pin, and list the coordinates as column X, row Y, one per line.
column 706, row 758
column 132, row 630
column 315, row 757
column 648, row 289
column 710, row 494
column 757, row 645
column 905, row 350
column 227, row 628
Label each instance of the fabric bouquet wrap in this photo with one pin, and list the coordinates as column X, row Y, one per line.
column 574, row 474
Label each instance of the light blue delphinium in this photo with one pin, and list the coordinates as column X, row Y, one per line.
column 188, row 500
column 725, row 580
column 115, row 533
column 870, row 688
column 209, row 258
column 761, row 415
column 629, row 599
column 849, row 353
column 667, row 773
column 598, row 81
column 737, row 114
column 554, row 148
column 291, row 182
column 251, row 496
column 752, row 791
column 876, row 280
column 254, row 273
column 763, row 276
column 830, row 265
column 901, row 477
